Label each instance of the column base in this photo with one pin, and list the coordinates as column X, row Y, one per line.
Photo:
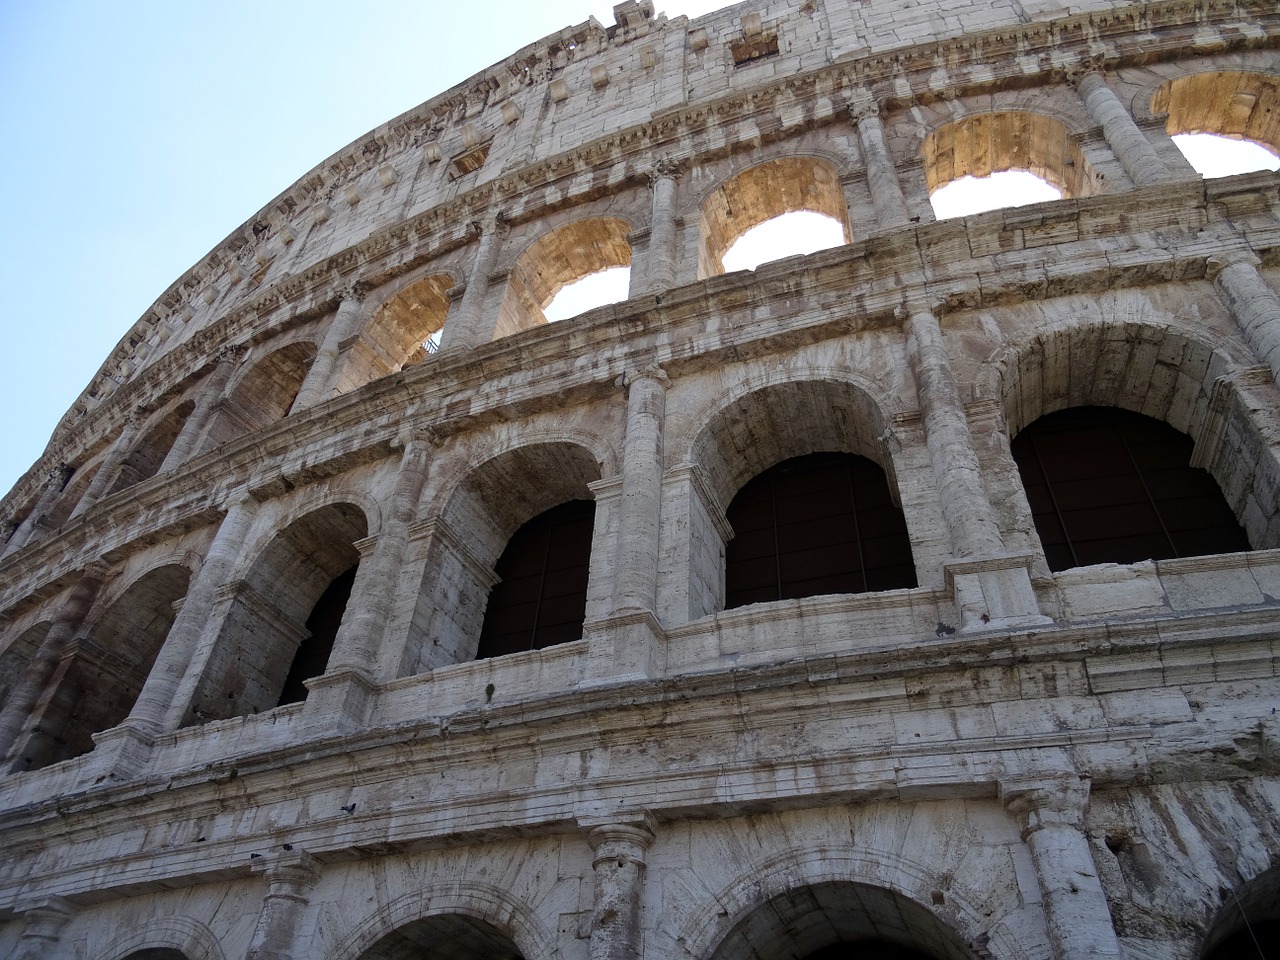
column 628, row 645
column 121, row 753
column 338, row 702
column 994, row 593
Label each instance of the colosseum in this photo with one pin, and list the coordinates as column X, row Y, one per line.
column 355, row 611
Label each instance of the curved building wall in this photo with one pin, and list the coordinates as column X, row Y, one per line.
column 299, row 471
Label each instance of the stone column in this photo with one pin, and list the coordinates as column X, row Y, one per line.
column 159, row 708
column 1252, row 303
column 965, row 507
column 660, row 266
column 210, row 393
column 1051, row 813
column 110, row 468
column 353, row 666
column 465, row 329
column 42, row 929
column 619, row 868
column 1132, row 149
column 17, row 709
column 53, row 484
column 318, row 382
column 882, row 175
column 635, row 583
column 290, row 880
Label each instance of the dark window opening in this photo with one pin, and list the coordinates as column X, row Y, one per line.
column 749, row 50
column 469, row 162
column 1110, row 486
column 541, row 598
column 822, row 523
column 322, row 626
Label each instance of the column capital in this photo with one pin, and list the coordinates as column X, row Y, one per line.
column 290, row 872
column 652, row 372
column 863, row 105
column 491, row 224
column 231, row 353
column 622, row 840
column 353, row 290
column 1040, row 802
column 1215, row 264
column 1089, row 66
column 665, row 167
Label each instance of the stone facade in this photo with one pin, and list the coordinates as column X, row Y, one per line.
column 1005, row 761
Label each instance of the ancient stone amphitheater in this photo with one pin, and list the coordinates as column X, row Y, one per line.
column 919, row 597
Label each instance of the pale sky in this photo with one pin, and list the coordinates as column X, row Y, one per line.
column 138, row 135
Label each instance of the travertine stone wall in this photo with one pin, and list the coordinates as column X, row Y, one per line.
column 1002, row 762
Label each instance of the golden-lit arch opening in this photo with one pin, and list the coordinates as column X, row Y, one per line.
column 990, row 144
column 556, row 260
column 763, row 193
column 1239, row 106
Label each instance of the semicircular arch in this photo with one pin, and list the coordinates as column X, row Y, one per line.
column 475, row 900
column 190, row 937
column 806, row 867
column 768, row 417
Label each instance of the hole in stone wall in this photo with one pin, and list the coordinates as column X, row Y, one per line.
column 1005, row 188
column 593, row 290
column 322, row 628
column 789, row 235
column 992, row 160
column 1110, row 486
column 1214, row 156
column 540, row 599
column 768, row 192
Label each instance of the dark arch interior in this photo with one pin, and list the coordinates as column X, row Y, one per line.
column 836, row 920
column 446, row 937
column 867, row 950
column 1248, row 925
column 821, row 523
column 1109, row 486
column 541, row 597
column 322, row 629
column 157, row 953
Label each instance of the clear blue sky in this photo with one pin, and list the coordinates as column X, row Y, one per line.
column 138, row 135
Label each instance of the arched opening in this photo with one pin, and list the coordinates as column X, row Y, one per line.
column 817, row 524
column 593, row 290
column 157, row 953
column 286, row 612
column 145, row 459
column 262, row 396
column 1158, row 371
column 824, row 921
column 96, row 687
column 444, row 937
column 554, row 261
column 540, row 598
column 1229, row 118
column 810, row 434
column 403, row 332
column 1248, row 925
column 764, row 193
column 1109, row 486
column 545, row 486
column 968, row 163
column 789, row 235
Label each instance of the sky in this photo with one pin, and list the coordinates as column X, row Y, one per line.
column 137, row 135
